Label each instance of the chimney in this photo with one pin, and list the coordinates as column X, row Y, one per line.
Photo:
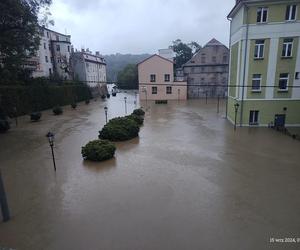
column 82, row 50
column 97, row 53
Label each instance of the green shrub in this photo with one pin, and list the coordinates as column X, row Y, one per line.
column 138, row 119
column 35, row 116
column 120, row 129
column 4, row 126
column 57, row 110
column 138, row 112
column 98, row 150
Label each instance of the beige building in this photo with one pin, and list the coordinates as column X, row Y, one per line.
column 157, row 82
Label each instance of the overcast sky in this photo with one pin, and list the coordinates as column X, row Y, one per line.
column 140, row 26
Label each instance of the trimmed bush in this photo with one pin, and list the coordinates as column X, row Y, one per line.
column 87, row 101
column 57, row 110
column 98, row 150
column 138, row 119
column 138, row 112
column 74, row 105
column 4, row 126
column 120, row 129
column 35, row 116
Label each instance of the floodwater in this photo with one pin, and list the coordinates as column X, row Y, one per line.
column 188, row 182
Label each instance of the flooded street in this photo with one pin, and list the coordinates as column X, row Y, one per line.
column 188, row 182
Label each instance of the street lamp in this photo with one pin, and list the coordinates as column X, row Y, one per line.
column 105, row 109
column 50, row 137
column 178, row 94
column 125, row 99
column 236, row 108
column 3, row 201
column 135, row 98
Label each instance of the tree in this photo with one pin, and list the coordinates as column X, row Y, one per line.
column 128, row 77
column 19, row 34
column 184, row 52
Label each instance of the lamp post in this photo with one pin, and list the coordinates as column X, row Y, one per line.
column 125, row 100
column 105, row 110
column 206, row 96
column 135, row 98
column 178, row 95
column 3, row 201
column 218, row 106
column 50, row 137
column 236, row 108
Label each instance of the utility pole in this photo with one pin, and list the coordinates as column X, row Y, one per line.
column 3, row 201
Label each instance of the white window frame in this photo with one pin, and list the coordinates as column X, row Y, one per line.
column 262, row 9
column 287, row 82
column 169, row 92
column 152, row 79
column 256, row 79
column 167, row 77
column 291, row 11
column 287, row 44
column 154, row 92
column 252, row 122
column 259, row 46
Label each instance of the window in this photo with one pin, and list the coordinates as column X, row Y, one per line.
column 167, row 77
column 253, row 117
column 287, row 47
column 224, row 59
column 154, row 90
column 214, row 59
column 50, row 72
column 46, row 59
column 49, row 46
column 283, row 82
column 68, row 48
column 169, row 89
column 203, row 59
column 57, row 38
column 259, row 49
column 256, row 83
column 57, row 47
column 290, row 14
column 192, row 70
column 152, row 78
column 262, row 15
column 296, row 75
column 47, row 34
column 44, row 45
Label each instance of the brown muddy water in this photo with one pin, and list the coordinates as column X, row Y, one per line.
column 188, row 182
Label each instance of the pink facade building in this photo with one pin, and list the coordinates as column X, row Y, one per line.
column 157, row 82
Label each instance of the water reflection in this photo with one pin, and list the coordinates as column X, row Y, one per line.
column 98, row 167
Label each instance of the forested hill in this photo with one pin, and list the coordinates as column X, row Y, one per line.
column 117, row 62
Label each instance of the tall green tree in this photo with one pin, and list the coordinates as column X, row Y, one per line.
column 128, row 77
column 183, row 51
column 19, row 34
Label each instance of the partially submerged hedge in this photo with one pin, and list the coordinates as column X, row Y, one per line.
column 138, row 112
column 4, row 126
column 98, row 150
column 138, row 119
column 120, row 129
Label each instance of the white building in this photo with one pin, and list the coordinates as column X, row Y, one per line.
column 53, row 55
column 88, row 68
column 167, row 53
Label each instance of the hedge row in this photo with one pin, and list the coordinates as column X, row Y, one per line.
column 32, row 98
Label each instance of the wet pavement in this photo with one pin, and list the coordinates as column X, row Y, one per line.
column 188, row 182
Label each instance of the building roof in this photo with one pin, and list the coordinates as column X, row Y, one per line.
column 240, row 3
column 214, row 42
column 153, row 56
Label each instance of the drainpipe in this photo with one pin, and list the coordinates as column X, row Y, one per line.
column 229, row 68
column 244, row 70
